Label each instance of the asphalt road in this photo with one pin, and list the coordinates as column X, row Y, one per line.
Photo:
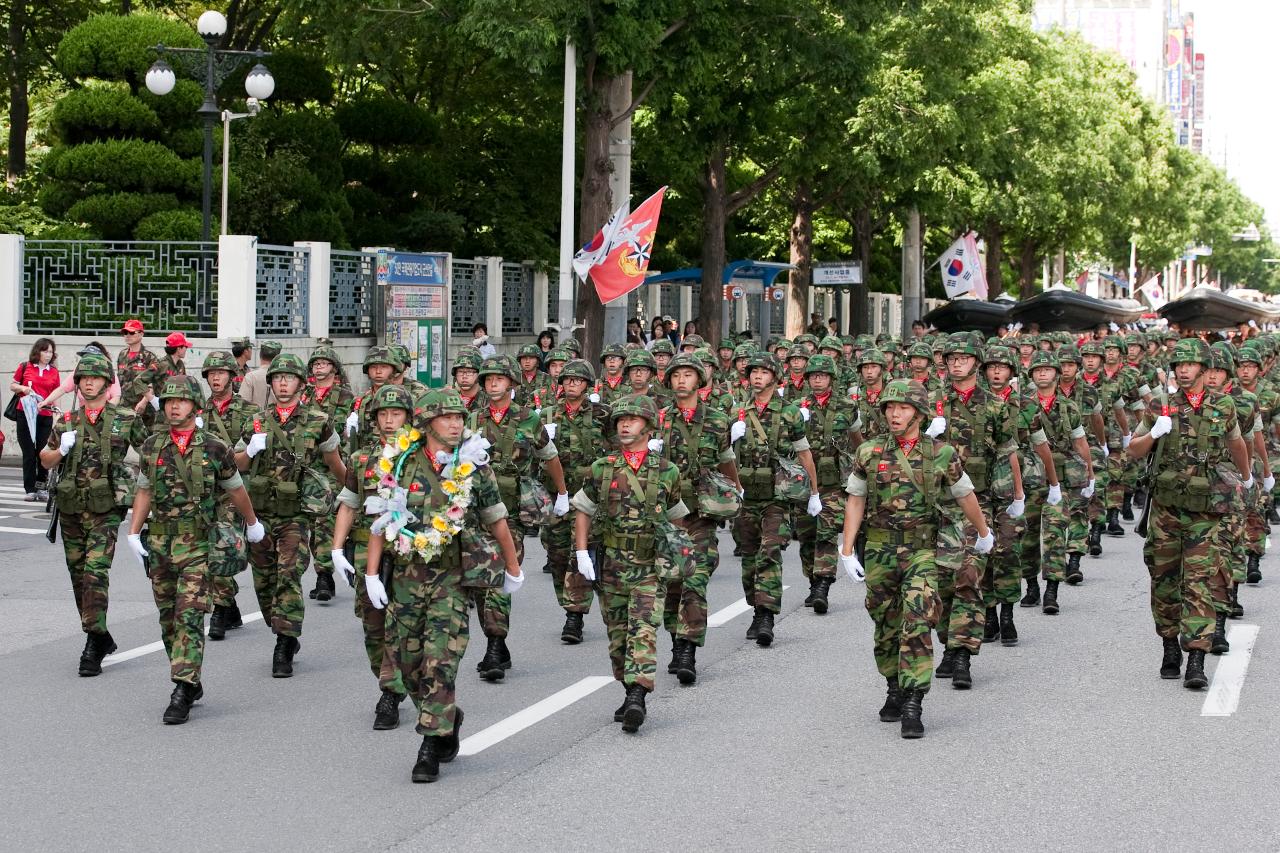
column 1068, row 741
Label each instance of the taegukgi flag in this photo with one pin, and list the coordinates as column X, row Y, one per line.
column 618, row 257
column 962, row 270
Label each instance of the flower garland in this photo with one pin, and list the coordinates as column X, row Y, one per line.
column 391, row 504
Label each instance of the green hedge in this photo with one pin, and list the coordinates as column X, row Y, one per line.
column 178, row 224
column 116, row 47
column 103, row 112
column 125, row 164
column 114, row 216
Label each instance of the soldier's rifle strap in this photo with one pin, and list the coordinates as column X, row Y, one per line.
column 278, row 434
column 194, row 483
column 100, row 436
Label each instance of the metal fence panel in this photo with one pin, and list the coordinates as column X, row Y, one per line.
column 80, row 287
column 282, row 291
column 468, row 295
column 352, row 291
column 517, row 299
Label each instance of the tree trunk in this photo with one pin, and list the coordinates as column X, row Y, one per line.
column 797, row 302
column 19, row 108
column 714, row 215
column 1028, row 260
column 595, row 206
column 994, row 238
column 858, row 302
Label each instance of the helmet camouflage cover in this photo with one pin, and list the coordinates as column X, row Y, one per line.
column 392, row 397
column 636, row 405
column 287, row 362
column 219, row 360
column 182, row 388
column 906, row 391
column 688, row 360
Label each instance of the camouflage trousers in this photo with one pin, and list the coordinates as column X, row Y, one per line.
column 629, row 606
column 1255, row 519
column 1001, row 579
column 1102, row 478
column 377, row 636
column 1230, row 559
column 1056, row 533
column 321, row 533
column 1122, row 472
column 225, row 587
column 684, row 612
column 427, row 628
column 1180, row 553
column 905, row 607
column 493, row 606
column 762, row 531
column 181, row 585
column 818, row 535
column 89, row 542
column 279, row 561
column 224, row 590
column 573, row 591
column 958, row 579
column 1027, row 553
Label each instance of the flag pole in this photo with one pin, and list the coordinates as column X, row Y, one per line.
column 568, row 152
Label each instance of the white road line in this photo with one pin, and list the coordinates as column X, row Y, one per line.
column 33, row 531
column 535, row 713
column 158, row 646
column 1228, row 677
column 725, row 614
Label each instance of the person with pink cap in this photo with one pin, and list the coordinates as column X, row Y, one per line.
column 150, row 382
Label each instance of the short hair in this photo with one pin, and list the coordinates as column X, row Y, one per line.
column 240, row 349
column 919, row 323
column 170, row 350
column 479, row 327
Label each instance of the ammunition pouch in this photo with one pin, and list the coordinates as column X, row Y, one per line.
column 640, row 546
column 509, row 490
column 1191, row 494
column 178, row 527
column 923, row 538
column 101, row 497
column 68, row 496
column 976, row 468
column 274, row 497
column 757, row 483
column 828, row 472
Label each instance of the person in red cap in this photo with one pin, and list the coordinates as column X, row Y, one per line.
column 132, row 362
column 173, row 364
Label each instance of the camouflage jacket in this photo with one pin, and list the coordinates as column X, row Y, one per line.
column 535, row 392
column 982, row 430
column 693, row 444
column 185, row 486
column 97, row 455
column 1197, row 448
column 293, row 447
column 608, row 392
column 830, row 434
column 228, row 425
column 1059, row 425
column 774, row 432
column 1248, row 410
column 130, row 367
column 581, row 438
column 619, row 503
column 518, row 442
column 904, row 489
column 1087, row 400
column 337, row 402
column 872, row 416
column 792, row 391
column 156, row 375
column 1120, row 388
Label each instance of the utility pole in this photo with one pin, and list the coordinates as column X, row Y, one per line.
column 615, row 313
column 568, row 155
column 911, row 272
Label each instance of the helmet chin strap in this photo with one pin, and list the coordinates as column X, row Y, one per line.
column 451, row 444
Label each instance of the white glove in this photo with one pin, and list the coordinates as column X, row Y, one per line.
column 375, row 591
column 255, row 532
column 594, row 397
column 1087, row 491
column 1113, row 327
column 815, row 505
column 353, row 422
column 853, row 568
column 742, row 494
column 135, row 545
column 737, row 431
column 155, row 403
column 1125, row 439
column 937, row 426
column 1253, row 324
column 1269, row 483
column 1173, row 386
column 562, row 504
column 585, row 567
column 1250, row 483
column 1162, row 426
column 511, row 585
column 804, row 413
column 551, row 431
column 655, row 445
column 1016, row 508
column 340, row 563
column 257, row 444
column 1055, row 495
column 1106, row 454
column 984, row 544
column 199, row 422
column 68, row 442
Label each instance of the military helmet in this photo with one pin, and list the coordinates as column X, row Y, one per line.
column 1190, row 350
column 558, row 354
column 1113, row 341
column 707, row 357
column 440, row 401
column 1092, row 348
column 1068, row 353
column 183, row 388
column 219, row 359
column 831, row 342
column 1135, row 338
column 400, row 353
column 906, row 391
column 466, row 360
column 637, row 405
column 920, row 350
column 960, row 344
column 798, row 352
column 767, row 361
column 1252, row 354
column 822, row 364
column 324, row 354
column 499, row 365
column 663, row 346
column 529, row 351
column 391, row 397
column 572, row 345
column 694, row 341
column 1000, row 355
column 806, row 338
column 380, row 355
column 1044, row 358
column 640, row 358
column 872, row 356
column 576, row 368
column 744, row 350
column 612, row 350
column 269, row 349
column 689, row 360
column 1221, row 359
column 93, row 364
column 780, row 344
column 287, row 362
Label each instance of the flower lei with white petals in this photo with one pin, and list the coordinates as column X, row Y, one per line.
column 391, row 504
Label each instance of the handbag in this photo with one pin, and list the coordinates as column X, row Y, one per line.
column 11, row 409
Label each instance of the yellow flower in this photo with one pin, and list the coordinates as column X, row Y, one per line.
column 464, row 469
column 384, row 465
column 414, row 435
column 402, row 442
column 439, row 523
column 419, row 541
column 449, row 486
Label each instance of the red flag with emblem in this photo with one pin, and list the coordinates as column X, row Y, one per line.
column 626, row 258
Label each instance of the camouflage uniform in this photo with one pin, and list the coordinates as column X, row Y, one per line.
column 131, row 367
column 1120, row 387
column 867, row 399
column 653, row 388
column 1233, row 531
column 609, row 388
column 537, row 390
column 335, row 402
column 1086, row 528
column 94, row 487
column 153, row 379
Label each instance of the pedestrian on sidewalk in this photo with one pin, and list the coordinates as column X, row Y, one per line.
column 37, row 375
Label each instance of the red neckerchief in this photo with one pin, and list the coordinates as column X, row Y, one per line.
column 182, row 438
column 93, row 415
column 467, row 401
column 821, row 399
column 1049, row 405
column 872, row 396
column 964, row 396
column 571, row 409
column 906, row 445
column 223, row 406
column 1195, row 399
column 283, row 413
column 704, row 393
column 635, row 459
column 321, row 393
column 613, row 380
column 1066, row 388
column 797, row 381
column 688, row 413
column 559, row 391
column 498, row 414
column 1005, row 393
column 1111, row 373
column 760, row 407
column 1227, row 388
column 528, row 377
column 1091, row 379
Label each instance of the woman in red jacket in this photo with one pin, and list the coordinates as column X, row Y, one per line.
column 37, row 375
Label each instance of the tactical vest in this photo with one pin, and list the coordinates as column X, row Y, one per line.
column 642, row 546
column 191, row 474
column 756, row 455
column 826, row 456
column 100, row 496
column 923, row 536
column 977, row 461
column 1172, row 487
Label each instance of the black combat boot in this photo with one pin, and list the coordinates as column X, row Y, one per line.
column 571, row 633
column 234, row 620
column 1095, row 538
column 821, row 591
column 447, row 746
column 427, row 767
column 633, row 711
column 1050, row 605
column 180, row 702
column 1126, row 508
column 948, row 665
column 218, row 623
column 1253, row 574
column 686, row 662
column 1074, row 573
column 912, row 727
column 1140, row 498
column 991, row 627
column 675, row 655
column 1032, row 598
column 324, row 589
column 386, row 714
column 96, row 647
column 1219, row 646
column 1008, row 631
column 1171, row 664
column 961, row 678
column 1194, row 677
column 282, row 657
column 813, row 590
column 1237, row 610
column 753, row 630
column 1113, row 523
column 764, row 635
column 891, row 711
column 492, row 667
column 622, row 709
column 1272, row 515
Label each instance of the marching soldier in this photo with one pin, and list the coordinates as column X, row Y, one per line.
column 435, row 564
column 380, row 367
column 326, row 394
column 1248, row 372
column 866, row 395
column 896, row 486
column 623, row 495
column 172, row 364
column 611, row 384
column 242, row 351
column 662, row 351
column 183, row 469
column 93, row 489
column 281, row 447
column 794, row 387
column 1086, row 528
column 466, row 379
column 535, row 387
column 1118, row 396
column 920, row 367
column 640, row 370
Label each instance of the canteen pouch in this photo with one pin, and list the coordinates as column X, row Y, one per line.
column 1197, row 495
column 791, row 483
column 316, row 493
column 716, row 496
column 1167, row 488
column 757, row 483
column 68, row 496
column 828, row 473
column 976, row 468
column 259, row 489
column 100, row 498
column 286, row 499
column 228, row 549
column 535, row 503
column 509, row 490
